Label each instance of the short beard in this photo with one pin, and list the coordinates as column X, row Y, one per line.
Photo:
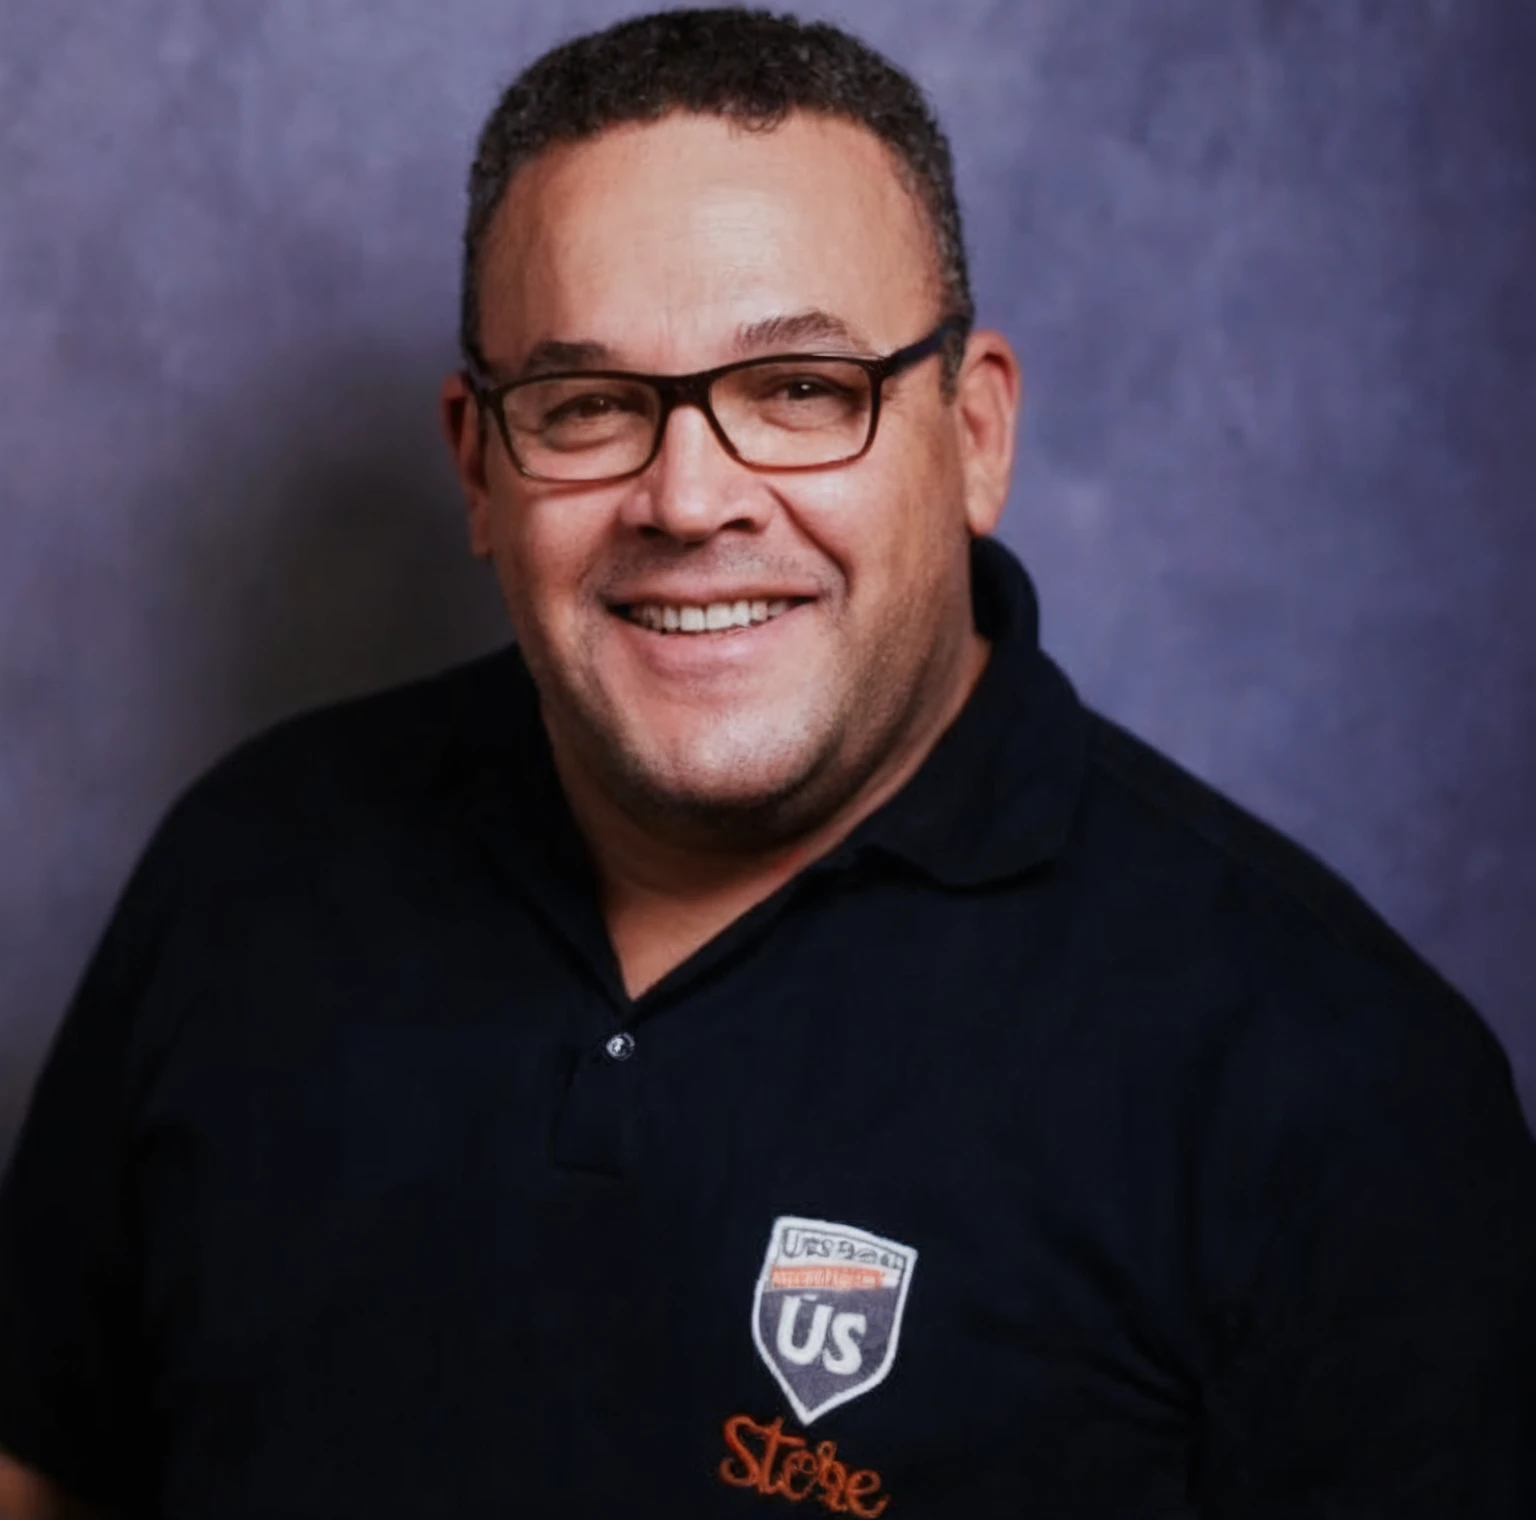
column 747, row 823
column 806, row 798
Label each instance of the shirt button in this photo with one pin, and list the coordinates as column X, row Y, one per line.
column 620, row 1047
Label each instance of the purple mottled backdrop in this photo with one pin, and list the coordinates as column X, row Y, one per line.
column 1271, row 265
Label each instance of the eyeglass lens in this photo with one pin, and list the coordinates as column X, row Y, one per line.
column 796, row 414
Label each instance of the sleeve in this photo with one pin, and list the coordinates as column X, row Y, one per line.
column 68, row 1351
column 1387, row 1365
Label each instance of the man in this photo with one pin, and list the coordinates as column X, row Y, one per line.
column 761, row 1041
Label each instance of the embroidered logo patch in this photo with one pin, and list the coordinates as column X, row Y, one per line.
column 826, row 1316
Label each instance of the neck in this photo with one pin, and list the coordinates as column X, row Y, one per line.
column 664, row 894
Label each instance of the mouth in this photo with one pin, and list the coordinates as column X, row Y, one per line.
column 706, row 617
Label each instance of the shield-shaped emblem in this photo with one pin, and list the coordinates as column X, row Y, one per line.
column 826, row 1317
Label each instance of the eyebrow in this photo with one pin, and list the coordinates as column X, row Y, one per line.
column 782, row 332
column 813, row 326
column 556, row 354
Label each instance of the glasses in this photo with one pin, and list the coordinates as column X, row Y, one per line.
column 785, row 412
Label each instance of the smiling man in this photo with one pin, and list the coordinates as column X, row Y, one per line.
column 741, row 583
column 759, row 1041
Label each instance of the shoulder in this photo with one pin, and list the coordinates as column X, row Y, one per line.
column 312, row 846
column 1146, row 810
column 399, row 735
column 1318, row 1061
column 352, row 766
column 1323, row 983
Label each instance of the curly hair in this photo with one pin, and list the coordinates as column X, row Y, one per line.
column 750, row 66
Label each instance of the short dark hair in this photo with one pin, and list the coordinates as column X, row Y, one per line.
column 750, row 66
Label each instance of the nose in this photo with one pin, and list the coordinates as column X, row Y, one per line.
column 694, row 488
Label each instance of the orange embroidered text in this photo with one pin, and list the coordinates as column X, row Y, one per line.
column 827, row 1277
column 767, row 1460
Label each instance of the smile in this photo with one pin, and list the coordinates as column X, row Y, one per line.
column 711, row 617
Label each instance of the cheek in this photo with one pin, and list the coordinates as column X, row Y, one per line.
column 890, row 533
column 544, row 551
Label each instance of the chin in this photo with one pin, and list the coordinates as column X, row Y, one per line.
column 728, row 784
column 746, row 782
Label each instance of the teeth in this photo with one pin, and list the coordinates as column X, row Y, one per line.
column 712, row 618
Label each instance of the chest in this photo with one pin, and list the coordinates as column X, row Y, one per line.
column 845, row 1221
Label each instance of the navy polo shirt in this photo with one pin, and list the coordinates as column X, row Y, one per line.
column 1064, row 1143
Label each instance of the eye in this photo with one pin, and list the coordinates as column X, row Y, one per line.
column 582, row 408
column 803, row 388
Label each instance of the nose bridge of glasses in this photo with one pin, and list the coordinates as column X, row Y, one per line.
column 676, row 391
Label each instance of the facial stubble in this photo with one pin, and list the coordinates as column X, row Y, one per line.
column 818, row 765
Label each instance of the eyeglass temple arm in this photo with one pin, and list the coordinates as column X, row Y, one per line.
column 905, row 358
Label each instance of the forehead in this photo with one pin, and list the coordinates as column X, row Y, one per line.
column 661, row 240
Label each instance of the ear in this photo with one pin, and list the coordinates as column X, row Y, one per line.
column 462, row 423
column 987, row 392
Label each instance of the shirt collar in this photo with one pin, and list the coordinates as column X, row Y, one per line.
column 997, row 794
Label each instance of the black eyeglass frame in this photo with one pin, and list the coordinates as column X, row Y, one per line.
column 673, row 391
